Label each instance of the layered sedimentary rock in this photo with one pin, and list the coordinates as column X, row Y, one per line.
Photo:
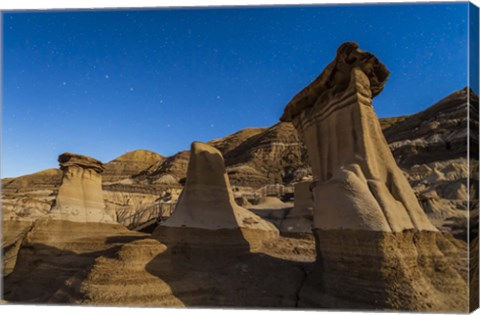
column 13, row 232
column 129, row 164
column 375, row 246
column 441, row 188
column 80, row 196
column 441, row 128
column 55, row 256
column 272, row 156
column 149, row 273
column 29, row 197
column 172, row 170
column 126, row 204
column 254, row 157
column 431, row 147
column 300, row 219
column 335, row 118
column 46, row 179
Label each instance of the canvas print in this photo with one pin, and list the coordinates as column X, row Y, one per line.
column 320, row 157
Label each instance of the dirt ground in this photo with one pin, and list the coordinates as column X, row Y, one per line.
column 102, row 264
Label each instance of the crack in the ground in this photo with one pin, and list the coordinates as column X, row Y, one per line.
column 300, row 287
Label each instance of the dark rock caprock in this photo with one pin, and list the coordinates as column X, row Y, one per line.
column 376, row 248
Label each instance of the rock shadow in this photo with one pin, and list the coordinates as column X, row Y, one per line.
column 216, row 268
column 124, row 239
column 45, row 274
column 211, row 242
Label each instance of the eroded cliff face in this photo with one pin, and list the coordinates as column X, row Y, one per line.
column 171, row 171
column 273, row 156
column 441, row 128
column 26, row 198
column 254, row 157
column 431, row 147
column 360, row 192
column 46, row 179
column 129, row 164
column 126, row 204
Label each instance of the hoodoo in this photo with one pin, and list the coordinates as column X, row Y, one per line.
column 376, row 248
column 80, row 196
column 206, row 212
column 57, row 250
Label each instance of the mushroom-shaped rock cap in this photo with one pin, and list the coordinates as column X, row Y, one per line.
column 336, row 77
column 71, row 159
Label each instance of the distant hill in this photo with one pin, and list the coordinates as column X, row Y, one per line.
column 46, row 178
column 129, row 164
column 437, row 133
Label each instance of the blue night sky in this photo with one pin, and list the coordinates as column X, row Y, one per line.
column 102, row 83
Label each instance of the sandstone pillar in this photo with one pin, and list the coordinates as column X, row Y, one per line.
column 376, row 248
column 207, row 224
column 80, row 196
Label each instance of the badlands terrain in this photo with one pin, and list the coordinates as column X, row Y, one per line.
column 305, row 213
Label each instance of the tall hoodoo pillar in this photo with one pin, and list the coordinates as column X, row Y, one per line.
column 373, row 238
column 207, row 223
